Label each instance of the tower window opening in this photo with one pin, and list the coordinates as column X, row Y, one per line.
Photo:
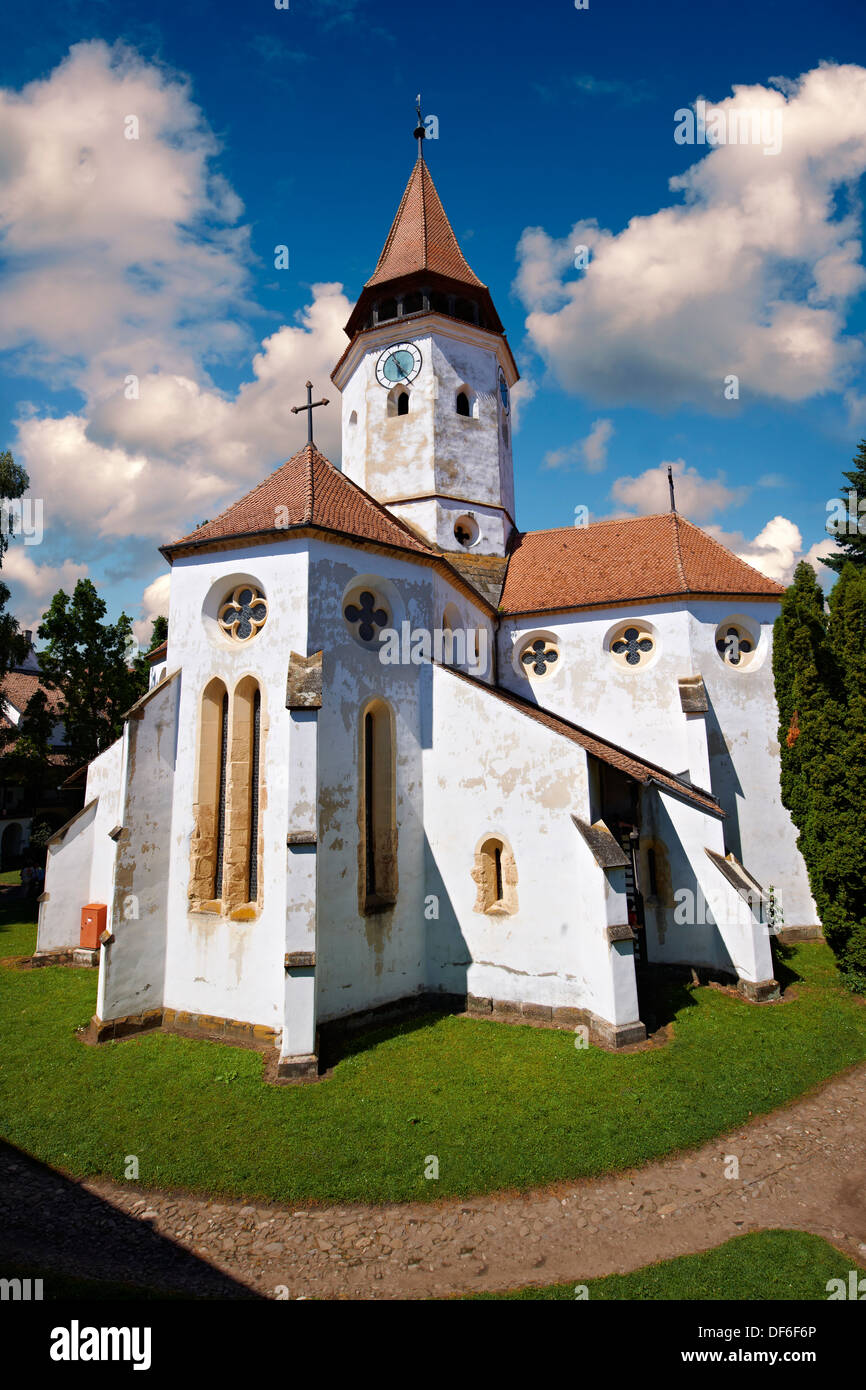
column 462, row 403
column 413, row 303
column 403, row 403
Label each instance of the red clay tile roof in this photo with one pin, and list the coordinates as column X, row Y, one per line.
column 18, row 686
column 620, row 561
column 421, row 237
column 637, row 768
column 306, row 491
column 156, row 653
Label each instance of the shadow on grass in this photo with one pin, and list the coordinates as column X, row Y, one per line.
column 53, row 1228
column 661, row 996
column 336, row 1043
column 782, row 970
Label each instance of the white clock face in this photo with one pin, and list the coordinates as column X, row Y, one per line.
column 400, row 362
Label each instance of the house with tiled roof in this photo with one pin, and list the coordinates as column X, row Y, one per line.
column 21, row 800
column 397, row 752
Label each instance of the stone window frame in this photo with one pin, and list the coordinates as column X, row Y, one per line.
column 380, row 812
column 386, row 595
column 209, row 775
column 240, row 812
column 473, row 410
column 749, row 661
column 485, row 876
column 645, row 630
column 232, row 600
column 523, row 643
column 398, row 391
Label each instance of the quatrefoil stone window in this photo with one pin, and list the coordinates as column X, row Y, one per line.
column 243, row 613
column 633, row 646
column 367, row 614
column 734, row 645
column 539, row 656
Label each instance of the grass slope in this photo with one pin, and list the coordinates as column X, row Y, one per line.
column 764, row 1265
column 500, row 1106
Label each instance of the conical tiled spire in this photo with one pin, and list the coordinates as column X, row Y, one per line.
column 421, row 237
column 421, row 255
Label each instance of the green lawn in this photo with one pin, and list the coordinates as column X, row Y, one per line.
column 765, row 1265
column 500, row 1106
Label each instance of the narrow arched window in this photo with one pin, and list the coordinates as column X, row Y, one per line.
column 207, row 845
column 378, row 888
column 242, row 872
column 495, row 875
column 253, row 855
column 462, row 403
column 403, row 403
column 221, row 803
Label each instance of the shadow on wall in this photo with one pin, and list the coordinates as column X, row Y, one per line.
column 51, row 1225
column 725, row 784
column 698, row 941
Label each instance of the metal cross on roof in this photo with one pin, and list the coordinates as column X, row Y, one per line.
column 419, row 132
column 309, row 407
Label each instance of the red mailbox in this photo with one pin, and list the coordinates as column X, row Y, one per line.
column 93, row 920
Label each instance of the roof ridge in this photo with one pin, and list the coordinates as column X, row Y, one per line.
column 678, row 552
column 602, row 521
column 732, row 553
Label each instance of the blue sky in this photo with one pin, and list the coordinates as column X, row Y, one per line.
column 262, row 127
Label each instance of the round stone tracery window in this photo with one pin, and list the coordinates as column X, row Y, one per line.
column 540, row 657
column 243, row 613
column 632, row 645
column 367, row 614
column 734, row 644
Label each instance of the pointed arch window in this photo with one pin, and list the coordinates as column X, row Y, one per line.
column 225, row 856
column 462, row 403
column 242, row 866
column 207, row 848
column 403, row 403
column 378, row 819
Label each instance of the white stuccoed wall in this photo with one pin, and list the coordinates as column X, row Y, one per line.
column 370, row 960
column 492, row 771
column 132, row 967
column 214, row 965
column 80, row 867
column 640, row 709
column 433, row 450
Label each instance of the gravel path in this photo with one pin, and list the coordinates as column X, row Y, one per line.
column 803, row 1166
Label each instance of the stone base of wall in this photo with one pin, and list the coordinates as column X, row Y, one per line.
column 788, row 935
column 70, row 955
column 601, row 1032
column 302, row 1068
column 230, row 1030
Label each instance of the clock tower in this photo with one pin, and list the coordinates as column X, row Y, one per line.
column 426, row 384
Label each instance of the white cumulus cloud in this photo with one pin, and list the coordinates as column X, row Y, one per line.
column 751, row 274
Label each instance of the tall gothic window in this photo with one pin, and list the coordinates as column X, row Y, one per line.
column 221, row 804
column 378, row 860
column 208, row 838
column 225, row 855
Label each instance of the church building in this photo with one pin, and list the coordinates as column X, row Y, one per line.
column 399, row 754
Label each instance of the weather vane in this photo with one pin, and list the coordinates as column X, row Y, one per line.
column 419, row 131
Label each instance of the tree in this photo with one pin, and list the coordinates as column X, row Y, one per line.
column 13, row 483
column 820, row 675
column 851, row 533
column 87, row 661
column 158, row 635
